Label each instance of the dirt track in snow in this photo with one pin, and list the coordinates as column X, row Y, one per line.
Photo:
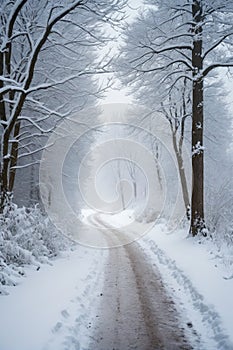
column 135, row 311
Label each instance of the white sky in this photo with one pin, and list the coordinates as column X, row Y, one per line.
column 117, row 94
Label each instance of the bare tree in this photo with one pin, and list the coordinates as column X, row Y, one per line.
column 131, row 167
column 176, row 114
column 155, row 149
column 118, row 171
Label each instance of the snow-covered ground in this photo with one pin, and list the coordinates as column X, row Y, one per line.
column 118, row 220
column 195, row 276
column 50, row 306
column 55, row 307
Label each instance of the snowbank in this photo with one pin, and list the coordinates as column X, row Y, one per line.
column 26, row 237
column 197, row 281
column 52, row 305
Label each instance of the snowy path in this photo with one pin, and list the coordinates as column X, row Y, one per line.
column 135, row 312
column 93, row 300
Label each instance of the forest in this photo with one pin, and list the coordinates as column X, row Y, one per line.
column 116, row 131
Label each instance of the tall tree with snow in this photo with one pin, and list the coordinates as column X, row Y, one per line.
column 185, row 39
column 27, row 32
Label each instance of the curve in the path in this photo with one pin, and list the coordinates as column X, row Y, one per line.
column 135, row 311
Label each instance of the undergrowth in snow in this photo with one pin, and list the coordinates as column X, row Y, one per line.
column 26, row 237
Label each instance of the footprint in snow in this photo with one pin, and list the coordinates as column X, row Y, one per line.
column 71, row 343
column 57, row 327
column 65, row 313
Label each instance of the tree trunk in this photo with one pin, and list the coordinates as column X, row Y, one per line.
column 156, row 158
column 14, row 156
column 4, row 170
column 122, row 198
column 2, row 118
column 197, row 207
column 2, row 105
column 182, row 175
column 135, row 189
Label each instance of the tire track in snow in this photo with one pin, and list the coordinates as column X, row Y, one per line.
column 158, row 309
column 137, row 313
